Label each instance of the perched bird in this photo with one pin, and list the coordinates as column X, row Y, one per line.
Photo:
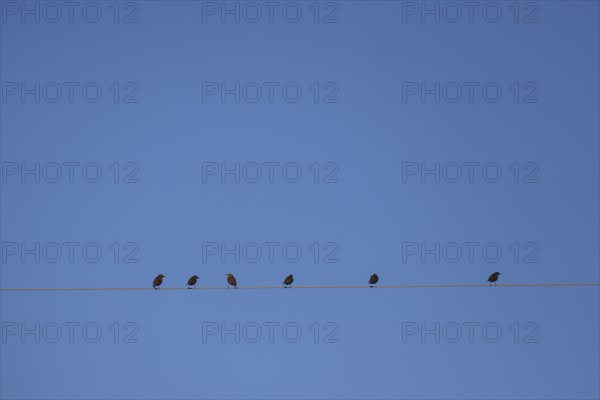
column 288, row 281
column 158, row 281
column 192, row 281
column 231, row 281
column 373, row 280
column 493, row 278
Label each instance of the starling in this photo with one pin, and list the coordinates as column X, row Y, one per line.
column 493, row 278
column 287, row 282
column 373, row 280
column 158, row 281
column 231, row 281
column 192, row 281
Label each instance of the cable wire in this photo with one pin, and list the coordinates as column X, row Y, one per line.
column 451, row 285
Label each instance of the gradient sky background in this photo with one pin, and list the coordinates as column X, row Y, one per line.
column 369, row 213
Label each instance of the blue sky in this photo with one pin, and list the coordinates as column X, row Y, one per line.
column 158, row 123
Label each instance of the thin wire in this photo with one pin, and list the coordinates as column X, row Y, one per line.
column 451, row 285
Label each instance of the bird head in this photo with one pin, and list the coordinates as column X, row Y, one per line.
column 498, row 273
column 195, row 276
column 162, row 276
column 228, row 275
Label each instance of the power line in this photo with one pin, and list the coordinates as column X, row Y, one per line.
column 451, row 285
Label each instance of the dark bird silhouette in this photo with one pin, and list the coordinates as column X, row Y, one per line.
column 373, row 280
column 192, row 281
column 231, row 281
column 287, row 282
column 158, row 281
column 494, row 278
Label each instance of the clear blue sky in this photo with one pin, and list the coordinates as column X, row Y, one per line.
column 369, row 61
